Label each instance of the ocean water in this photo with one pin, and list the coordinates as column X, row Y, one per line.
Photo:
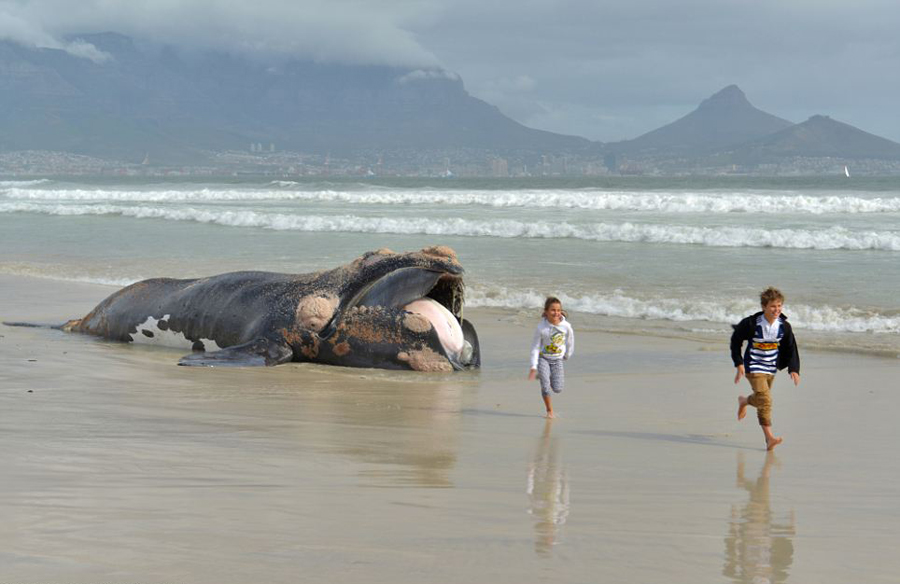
column 682, row 257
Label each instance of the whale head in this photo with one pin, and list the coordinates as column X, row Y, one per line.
column 391, row 310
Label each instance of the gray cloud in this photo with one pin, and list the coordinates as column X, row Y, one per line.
column 16, row 28
column 348, row 31
column 601, row 69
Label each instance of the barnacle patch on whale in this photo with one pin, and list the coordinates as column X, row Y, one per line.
column 314, row 311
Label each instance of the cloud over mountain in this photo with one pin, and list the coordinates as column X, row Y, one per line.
column 343, row 31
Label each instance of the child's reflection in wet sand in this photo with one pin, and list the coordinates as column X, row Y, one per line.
column 548, row 491
column 757, row 548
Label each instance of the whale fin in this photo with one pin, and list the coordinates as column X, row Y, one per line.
column 256, row 353
column 473, row 360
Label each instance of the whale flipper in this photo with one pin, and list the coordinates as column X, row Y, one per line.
column 256, row 353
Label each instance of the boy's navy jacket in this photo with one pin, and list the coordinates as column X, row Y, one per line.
column 788, row 355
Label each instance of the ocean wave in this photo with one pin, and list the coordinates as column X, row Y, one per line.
column 813, row 318
column 22, row 183
column 161, row 196
column 832, row 238
column 656, row 202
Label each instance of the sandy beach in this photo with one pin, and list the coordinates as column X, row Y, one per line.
column 120, row 466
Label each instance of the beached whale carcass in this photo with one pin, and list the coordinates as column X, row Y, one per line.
column 386, row 310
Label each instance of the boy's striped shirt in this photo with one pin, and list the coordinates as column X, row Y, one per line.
column 762, row 356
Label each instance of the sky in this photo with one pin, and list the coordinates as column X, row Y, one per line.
column 595, row 68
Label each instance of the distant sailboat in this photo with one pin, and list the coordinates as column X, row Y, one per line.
column 846, row 171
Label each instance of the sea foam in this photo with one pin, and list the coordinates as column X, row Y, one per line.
column 22, row 183
column 831, row 238
column 815, row 318
column 655, row 202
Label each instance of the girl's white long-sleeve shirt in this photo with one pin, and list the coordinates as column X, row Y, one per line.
column 552, row 341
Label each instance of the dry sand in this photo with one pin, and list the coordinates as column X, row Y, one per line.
column 119, row 466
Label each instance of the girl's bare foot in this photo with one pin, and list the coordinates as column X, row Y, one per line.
column 550, row 414
column 773, row 442
column 742, row 407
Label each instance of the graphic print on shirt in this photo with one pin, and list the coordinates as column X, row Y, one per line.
column 762, row 355
column 557, row 342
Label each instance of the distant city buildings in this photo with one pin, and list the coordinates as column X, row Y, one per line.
column 453, row 163
column 257, row 147
column 499, row 168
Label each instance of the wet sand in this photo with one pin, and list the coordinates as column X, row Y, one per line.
column 120, row 466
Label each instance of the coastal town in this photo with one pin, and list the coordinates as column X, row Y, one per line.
column 460, row 163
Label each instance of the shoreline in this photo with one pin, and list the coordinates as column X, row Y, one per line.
column 867, row 344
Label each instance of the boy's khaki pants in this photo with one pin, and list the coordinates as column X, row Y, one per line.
column 761, row 384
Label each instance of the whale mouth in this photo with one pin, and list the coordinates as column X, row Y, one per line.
column 435, row 295
column 406, row 285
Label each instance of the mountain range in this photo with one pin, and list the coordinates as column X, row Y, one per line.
column 727, row 129
column 181, row 108
column 170, row 105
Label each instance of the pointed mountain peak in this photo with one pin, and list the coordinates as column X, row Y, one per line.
column 724, row 119
column 728, row 97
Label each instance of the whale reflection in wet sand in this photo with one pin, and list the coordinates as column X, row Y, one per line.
column 758, row 548
column 548, row 491
column 404, row 432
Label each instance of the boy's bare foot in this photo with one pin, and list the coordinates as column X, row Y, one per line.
column 775, row 441
column 742, row 407
column 550, row 414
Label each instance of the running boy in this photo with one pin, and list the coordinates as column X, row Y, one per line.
column 770, row 346
column 553, row 342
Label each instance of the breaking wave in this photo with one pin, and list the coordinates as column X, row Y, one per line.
column 22, row 183
column 658, row 202
column 831, row 238
column 814, row 318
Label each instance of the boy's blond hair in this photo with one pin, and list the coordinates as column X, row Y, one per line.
column 770, row 294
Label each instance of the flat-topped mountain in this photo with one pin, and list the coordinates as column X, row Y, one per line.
column 130, row 100
column 819, row 137
column 725, row 119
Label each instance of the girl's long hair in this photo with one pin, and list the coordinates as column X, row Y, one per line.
column 551, row 300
